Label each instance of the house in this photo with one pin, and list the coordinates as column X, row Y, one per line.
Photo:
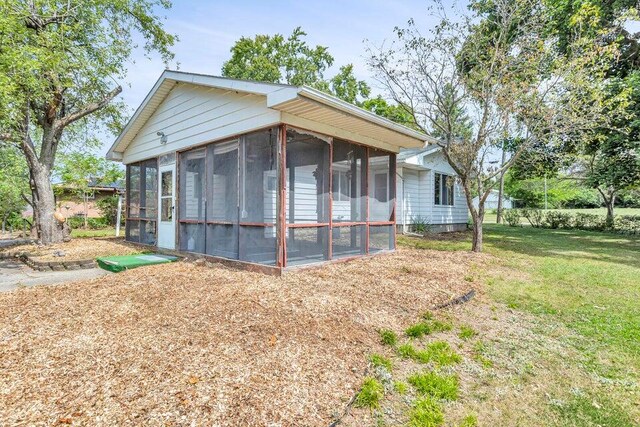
column 427, row 192
column 492, row 201
column 260, row 173
column 71, row 202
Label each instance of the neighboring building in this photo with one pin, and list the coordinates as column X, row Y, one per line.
column 70, row 202
column 492, row 201
column 268, row 174
column 428, row 192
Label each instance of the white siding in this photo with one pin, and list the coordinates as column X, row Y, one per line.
column 419, row 194
column 192, row 115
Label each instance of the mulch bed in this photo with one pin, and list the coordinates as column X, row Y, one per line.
column 186, row 344
column 78, row 249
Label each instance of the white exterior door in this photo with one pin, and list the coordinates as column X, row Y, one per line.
column 166, row 213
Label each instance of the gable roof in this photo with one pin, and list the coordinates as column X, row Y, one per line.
column 302, row 102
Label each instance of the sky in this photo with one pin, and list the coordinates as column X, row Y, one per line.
column 208, row 29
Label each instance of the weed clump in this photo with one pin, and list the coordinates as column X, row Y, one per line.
column 434, row 385
column 388, row 337
column 466, row 332
column 378, row 360
column 425, row 413
column 370, row 394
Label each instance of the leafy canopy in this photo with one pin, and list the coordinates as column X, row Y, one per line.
column 290, row 60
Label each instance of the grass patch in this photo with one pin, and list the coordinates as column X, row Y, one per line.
column 105, row 232
column 418, row 330
column 441, row 326
column 466, row 332
column 401, row 387
column 388, row 337
column 469, row 421
column 406, row 351
column 585, row 410
column 438, row 352
column 370, row 394
column 425, row 413
column 378, row 361
column 432, row 384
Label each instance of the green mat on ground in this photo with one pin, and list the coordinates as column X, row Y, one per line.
column 124, row 262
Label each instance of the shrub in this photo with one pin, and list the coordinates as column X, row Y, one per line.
column 388, row 337
column 512, row 216
column 627, row 224
column 420, row 224
column 555, row 219
column 370, row 394
column 534, row 216
column 435, row 385
column 587, row 221
column 108, row 207
column 426, row 413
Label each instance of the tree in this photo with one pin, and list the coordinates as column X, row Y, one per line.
column 492, row 68
column 291, row 60
column 59, row 63
column 612, row 156
column 80, row 171
column 395, row 113
column 14, row 183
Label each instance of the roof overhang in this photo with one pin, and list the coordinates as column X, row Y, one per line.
column 299, row 106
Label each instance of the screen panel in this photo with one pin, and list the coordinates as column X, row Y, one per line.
column 348, row 241
column 348, row 182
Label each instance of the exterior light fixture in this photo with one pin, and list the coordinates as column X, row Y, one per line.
column 163, row 137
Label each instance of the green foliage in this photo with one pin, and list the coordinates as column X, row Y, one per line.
column 393, row 112
column 466, row 332
column 469, row 421
column 557, row 219
column 92, row 223
column 401, row 387
column 406, row 351
column 420, row 224
column 587, row 221
column 438, row 352
column 455, row 123
column 561, row 192
column 108, row 207
column 379, row 361
column 534, row 216
column 418, row 330
column 370, row 394
column 14, row 182
column 512, row 217
column 388, row 337
column 425, row 413
column 432, row 384
column 276, row 59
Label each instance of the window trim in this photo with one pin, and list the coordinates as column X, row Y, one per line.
column 441, row 188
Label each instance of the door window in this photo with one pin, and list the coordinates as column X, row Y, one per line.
column 166, row 198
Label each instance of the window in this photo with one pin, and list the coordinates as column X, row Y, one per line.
column 142, row 202
column 444, row 189
column 341, row 186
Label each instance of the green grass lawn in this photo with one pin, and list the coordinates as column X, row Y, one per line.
column 105, row 232
column 588, row 282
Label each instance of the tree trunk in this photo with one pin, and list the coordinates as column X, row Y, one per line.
column 501, row 190
column 476, row 241
column 49, row 230
column 610, row 214
column 86, row 208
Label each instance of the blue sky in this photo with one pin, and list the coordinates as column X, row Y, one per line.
column 208, row 29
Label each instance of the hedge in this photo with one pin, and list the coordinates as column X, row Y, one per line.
column 622, row 224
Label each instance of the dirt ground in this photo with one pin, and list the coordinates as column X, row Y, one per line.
column 185, row 344
column 77, row 249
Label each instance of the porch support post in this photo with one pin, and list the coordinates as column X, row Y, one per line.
column 281, row 240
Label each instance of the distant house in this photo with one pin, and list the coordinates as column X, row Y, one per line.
column 269, row 175
column 492, row 201
column 428, row 191
column 70, row 203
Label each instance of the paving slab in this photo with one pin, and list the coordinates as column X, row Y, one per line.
column 14, row 274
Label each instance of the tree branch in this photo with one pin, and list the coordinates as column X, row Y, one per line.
column 89, row 108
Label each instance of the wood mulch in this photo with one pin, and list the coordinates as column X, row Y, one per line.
column 76, row 249
column 186, row 344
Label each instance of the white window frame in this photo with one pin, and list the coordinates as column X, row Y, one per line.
column 443, row 180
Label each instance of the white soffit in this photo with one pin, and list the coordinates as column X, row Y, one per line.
column 300, row 106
